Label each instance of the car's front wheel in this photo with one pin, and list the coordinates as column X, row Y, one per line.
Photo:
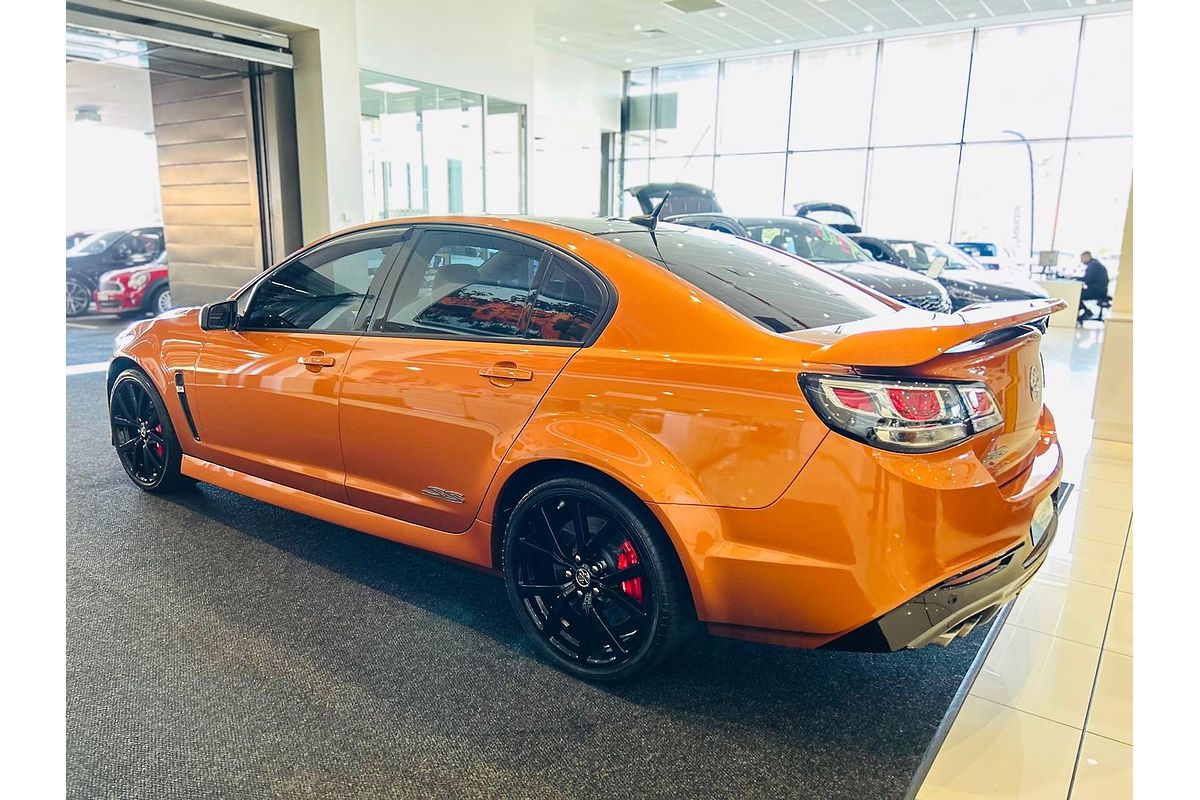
column 143, row 435
column 79, row 298
column 594, row 580
column 160, row 301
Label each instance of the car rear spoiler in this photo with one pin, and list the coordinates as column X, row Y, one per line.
column 912, row 336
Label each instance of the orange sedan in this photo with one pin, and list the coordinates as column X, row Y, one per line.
column 642, row 429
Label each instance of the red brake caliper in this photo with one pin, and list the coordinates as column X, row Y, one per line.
column 159, row 447
column 626, row 557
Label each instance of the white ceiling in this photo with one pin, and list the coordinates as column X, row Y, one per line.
column 121, row 95
column 617, row 32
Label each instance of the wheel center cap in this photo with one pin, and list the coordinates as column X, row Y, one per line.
column 143, row 430
column 583, row 577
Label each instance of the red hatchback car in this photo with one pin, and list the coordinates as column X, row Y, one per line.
column 134, row 291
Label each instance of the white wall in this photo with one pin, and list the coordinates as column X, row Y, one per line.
column 481, row 46
column 477, row 45
column 574, row 103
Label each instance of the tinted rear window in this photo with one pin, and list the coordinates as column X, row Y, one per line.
column 776, row 290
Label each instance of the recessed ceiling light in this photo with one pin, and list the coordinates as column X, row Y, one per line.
column 722, row 13
column 698, row 51
column 629, row 61
column 971, row 15
column 562, row 38
column 637, row 27
column 392, row 87
column 779, row 41
column 868, row 28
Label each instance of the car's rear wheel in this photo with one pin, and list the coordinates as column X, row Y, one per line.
column 79, row 298
column 143, row 435
column 161, row 301
column 593, row 580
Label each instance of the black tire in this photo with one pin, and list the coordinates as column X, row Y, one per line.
column 604, row 609
column 143, row 436
column 79, row 298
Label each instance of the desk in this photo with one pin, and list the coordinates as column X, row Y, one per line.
column 1065, row 290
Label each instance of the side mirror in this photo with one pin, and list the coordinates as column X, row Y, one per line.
column 936, row 268
column 219, row 316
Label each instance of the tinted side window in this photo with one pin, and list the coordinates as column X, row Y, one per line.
column 568, row 304
column 323, row 290
column 778, row 291
column 461, row 282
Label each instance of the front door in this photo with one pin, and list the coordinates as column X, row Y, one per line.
column 266, row 394
column 477, row 328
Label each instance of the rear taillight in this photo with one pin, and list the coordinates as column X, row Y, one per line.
column 908, row 416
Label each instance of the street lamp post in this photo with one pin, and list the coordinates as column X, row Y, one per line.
column 1029, row 152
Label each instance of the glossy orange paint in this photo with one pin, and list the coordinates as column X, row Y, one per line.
column 787, row 532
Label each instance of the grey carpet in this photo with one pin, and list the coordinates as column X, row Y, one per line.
column 221, row 647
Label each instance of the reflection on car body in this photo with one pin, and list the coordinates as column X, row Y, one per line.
column 639, row 430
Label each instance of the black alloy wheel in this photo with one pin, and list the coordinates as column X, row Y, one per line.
column 142, row 434
column 79, row 298
column 593, row 580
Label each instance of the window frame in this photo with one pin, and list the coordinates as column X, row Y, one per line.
column 404, row 261
column 250, row 290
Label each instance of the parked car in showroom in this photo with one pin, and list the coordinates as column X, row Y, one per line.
column 835, row 215
column 966, row 280
column 135, row 291
column 685, row 198
column 642, row 428
column 822, row 245
column 990, row 254
column 103, row 252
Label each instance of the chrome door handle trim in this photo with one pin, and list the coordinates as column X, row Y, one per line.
column 506, row 373
column 315, row 361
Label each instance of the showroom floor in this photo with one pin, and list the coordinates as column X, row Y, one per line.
column 1050, row 713
column 218, row 645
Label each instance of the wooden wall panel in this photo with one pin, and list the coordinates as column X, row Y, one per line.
column 209, row 188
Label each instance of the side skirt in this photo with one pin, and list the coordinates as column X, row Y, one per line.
column 473, row 546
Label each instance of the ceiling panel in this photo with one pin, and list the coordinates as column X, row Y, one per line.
column 621, row 33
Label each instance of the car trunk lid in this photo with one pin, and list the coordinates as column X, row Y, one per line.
column 995, row 344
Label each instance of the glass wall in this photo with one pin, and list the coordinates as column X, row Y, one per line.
column 434, row 150
column 1014, row 134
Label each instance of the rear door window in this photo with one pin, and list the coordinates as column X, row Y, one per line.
column 569, row 303
column 464, row 283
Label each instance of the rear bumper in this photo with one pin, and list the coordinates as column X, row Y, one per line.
column 955, row 607
column 868, row 538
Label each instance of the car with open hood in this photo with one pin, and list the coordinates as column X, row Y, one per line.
column 641, row 428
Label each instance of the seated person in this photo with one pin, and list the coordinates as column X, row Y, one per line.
column 1095, row 283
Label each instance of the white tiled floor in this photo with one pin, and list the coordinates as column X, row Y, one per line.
column 1050, row 714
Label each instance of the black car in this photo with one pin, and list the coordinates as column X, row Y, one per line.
column 686, row 198
column 835, row 215
column 830, row 249
column 103, row 252
column 966, row 280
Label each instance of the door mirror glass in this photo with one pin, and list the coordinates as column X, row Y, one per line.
column 219, row 316
column 937, row 266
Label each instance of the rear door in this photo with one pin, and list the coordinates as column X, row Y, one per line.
column 265, row 393
column 466, row 340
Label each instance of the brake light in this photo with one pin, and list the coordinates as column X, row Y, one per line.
column 907, row 416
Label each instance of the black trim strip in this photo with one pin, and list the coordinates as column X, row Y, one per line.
column 183, row 401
